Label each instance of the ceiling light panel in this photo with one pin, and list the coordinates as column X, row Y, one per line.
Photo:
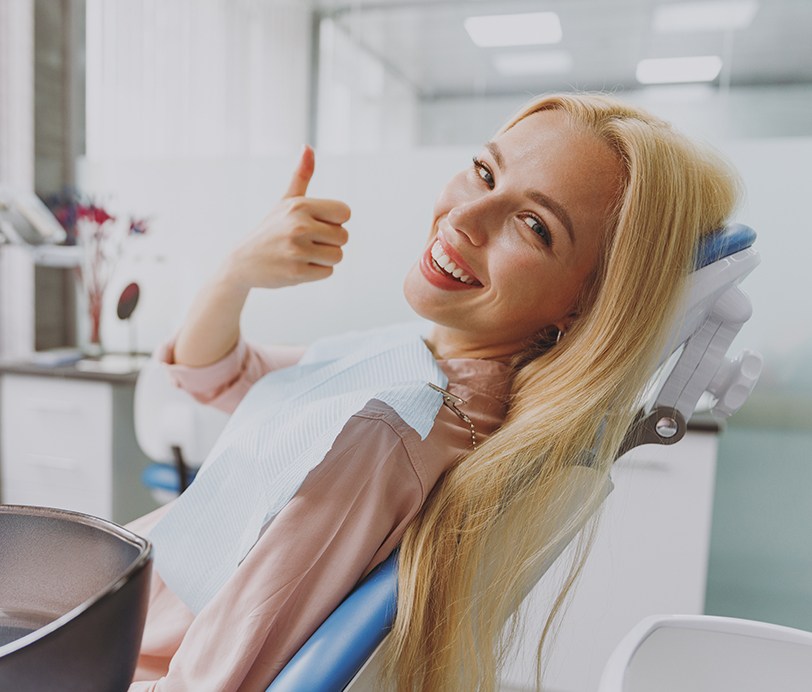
column 711, row 15
column 533, row 28
column 703, row 68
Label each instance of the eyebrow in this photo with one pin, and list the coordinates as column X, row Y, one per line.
column 538, row 197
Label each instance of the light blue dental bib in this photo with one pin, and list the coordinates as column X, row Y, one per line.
column 281, row 430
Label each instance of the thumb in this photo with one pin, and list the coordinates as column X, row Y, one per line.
column 302, row 174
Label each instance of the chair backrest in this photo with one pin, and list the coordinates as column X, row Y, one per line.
column 166, row 416
column 712, row 313
column 703, row 653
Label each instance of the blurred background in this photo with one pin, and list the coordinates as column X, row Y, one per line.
column 189, row 114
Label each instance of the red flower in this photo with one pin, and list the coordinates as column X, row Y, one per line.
column 95, row 214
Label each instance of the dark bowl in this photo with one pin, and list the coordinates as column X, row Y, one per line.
column 73, row 600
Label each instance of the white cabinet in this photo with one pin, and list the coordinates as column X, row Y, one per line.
column 68, row 442
column 650, row 556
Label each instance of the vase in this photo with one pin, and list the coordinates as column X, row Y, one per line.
column 94, row 346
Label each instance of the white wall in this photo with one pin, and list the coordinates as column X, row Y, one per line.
column 188, row 78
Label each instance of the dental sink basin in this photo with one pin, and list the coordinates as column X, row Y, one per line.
column 73, row 600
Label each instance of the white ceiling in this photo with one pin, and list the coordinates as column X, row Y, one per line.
column 424, row 42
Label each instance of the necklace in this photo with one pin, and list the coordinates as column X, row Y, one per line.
column 452, row 401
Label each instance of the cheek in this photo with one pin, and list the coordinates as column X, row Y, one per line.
column 538, row 291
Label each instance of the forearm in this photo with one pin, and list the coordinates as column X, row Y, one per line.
column 212, row 327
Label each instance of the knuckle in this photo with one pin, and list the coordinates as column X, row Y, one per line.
column 296, row 253
column 299, row 230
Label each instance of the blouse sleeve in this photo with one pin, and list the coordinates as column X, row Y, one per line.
column 346, row 518
column 224, row 383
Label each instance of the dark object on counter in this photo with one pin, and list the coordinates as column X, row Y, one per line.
column 73, row 600
column 127, row 301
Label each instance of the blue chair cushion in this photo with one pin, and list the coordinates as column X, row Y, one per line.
column 723, row 243
column 337, row 650
column 164, row 477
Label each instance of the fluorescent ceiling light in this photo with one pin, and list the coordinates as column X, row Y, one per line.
column 705, row 68
column 514, row 29
column 711, row 15
column 533, row 62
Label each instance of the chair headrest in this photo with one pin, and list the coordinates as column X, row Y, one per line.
column 722, row 243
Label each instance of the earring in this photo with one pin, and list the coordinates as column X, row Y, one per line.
column 558, row 338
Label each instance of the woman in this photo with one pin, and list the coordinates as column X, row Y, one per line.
column 549, row 274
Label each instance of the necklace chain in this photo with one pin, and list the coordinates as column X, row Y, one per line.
column 452, row 401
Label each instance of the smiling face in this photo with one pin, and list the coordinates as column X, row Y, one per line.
column 515, row 237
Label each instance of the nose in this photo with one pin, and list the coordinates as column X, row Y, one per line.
column 473, row 219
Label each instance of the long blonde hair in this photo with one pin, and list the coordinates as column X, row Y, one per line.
column 467, row 559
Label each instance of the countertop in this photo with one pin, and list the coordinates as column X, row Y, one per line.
column 113, row 368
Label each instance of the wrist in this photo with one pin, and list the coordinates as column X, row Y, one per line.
column 227, row 281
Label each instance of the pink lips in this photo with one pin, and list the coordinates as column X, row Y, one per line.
column 437, row 277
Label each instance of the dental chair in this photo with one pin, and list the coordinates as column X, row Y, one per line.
column 345, row 653
column 704, row 653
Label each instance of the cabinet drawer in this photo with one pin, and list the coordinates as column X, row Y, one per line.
column 56, row 431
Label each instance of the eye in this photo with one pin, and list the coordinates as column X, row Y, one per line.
column 538, row 227
column 484, row 172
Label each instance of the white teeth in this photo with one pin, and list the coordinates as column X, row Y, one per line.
column 449, row 267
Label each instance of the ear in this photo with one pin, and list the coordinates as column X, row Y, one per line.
column 563, row 325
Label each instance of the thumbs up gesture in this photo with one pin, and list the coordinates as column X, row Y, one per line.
column 300, row 240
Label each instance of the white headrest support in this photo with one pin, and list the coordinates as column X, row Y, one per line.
column 166, row 416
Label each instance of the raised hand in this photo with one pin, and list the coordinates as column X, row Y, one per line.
column 300, row 240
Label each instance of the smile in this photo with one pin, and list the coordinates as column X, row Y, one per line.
column 444, row 263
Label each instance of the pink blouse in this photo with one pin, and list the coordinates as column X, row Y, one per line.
column 348, row 515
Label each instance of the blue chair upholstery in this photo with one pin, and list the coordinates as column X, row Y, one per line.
column 165, row 477
column 723, row 243
column 333, row 655
column 337, row 650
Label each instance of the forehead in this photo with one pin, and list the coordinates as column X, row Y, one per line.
column 562, row 158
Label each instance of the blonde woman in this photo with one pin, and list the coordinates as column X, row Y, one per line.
column 549, row 273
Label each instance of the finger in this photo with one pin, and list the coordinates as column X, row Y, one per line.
column 325, row 234
column 302, row 174
column 314, row 272
column 327, row 210
column 325, row 255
